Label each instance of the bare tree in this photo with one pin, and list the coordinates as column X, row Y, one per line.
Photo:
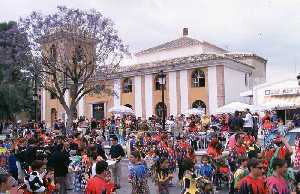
column 72, row 49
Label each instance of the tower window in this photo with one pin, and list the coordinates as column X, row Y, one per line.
column 53, row 52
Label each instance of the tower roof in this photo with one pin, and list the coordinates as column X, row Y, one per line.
column 64, row 34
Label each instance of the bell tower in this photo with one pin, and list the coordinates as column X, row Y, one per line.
column 66, row 53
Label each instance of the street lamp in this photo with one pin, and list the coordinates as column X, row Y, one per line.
column 298, row 78
column 162, row 82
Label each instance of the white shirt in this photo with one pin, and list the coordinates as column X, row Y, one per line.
column 94, row 169
column 248, row 120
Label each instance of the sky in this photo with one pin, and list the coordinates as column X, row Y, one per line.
column 269, row 28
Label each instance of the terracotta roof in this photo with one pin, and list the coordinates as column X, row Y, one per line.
column 180, row 60
column 239, row 56
column 180, row 42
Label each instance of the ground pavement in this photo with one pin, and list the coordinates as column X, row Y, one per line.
column 126, row 188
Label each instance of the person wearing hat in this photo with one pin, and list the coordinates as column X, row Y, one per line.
column 116, row 153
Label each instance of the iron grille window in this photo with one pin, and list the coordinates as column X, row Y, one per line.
column 127, row 85
column 198, row 78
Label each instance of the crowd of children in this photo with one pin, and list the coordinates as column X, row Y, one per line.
column 47, row 160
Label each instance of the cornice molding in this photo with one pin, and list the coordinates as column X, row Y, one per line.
column 178, row 67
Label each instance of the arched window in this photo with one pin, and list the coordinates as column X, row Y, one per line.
column 160, row 107
column 199, row 104
column 52, row 96
column 128, row 105
column 198, row 78
column 53, row 52
column 78, row 55
column 127, row 85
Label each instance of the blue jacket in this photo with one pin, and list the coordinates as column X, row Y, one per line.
column 12, row 163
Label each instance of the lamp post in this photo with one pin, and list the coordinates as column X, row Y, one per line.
column 298, row 78
column 162, row 82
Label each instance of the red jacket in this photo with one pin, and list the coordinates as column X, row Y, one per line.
column 249, row 185
column 98, row 185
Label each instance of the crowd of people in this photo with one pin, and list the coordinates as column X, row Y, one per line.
column 243, row 153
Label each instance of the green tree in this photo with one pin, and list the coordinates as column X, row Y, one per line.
column 93, row 51
column 15, row 84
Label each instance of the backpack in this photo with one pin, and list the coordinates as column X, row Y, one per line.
column 34, row 183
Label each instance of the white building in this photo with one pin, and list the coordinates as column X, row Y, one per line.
column 283, row 96
column 198, row 74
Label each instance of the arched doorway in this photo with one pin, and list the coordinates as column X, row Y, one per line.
column 199, row 104
column 53, row 115
column 159, row 109
column 128, row 105
column 98, row 111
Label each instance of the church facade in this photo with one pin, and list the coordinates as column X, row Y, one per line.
column 198, row 75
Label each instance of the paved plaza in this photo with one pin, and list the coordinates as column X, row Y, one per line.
column 126, row 187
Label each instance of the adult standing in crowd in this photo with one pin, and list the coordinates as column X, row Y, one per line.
column 248, row 122
column 99, row 148
column 236, row 123
column 60, row 161
column 94, row 124
column 116, row 153
column 296, row 120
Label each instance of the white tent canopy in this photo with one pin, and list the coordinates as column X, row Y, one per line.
column 238, row 106
column 194, row 111
column 233, row 106
column 121, row 110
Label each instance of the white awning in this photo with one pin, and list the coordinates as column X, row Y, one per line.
column 283, row 102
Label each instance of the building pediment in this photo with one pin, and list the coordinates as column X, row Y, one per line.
column 182, row 42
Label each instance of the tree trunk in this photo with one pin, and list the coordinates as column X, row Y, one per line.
column 71, row 117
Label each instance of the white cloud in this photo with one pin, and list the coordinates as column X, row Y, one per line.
column 269, row 28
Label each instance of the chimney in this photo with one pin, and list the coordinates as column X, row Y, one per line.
column 185, row 32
